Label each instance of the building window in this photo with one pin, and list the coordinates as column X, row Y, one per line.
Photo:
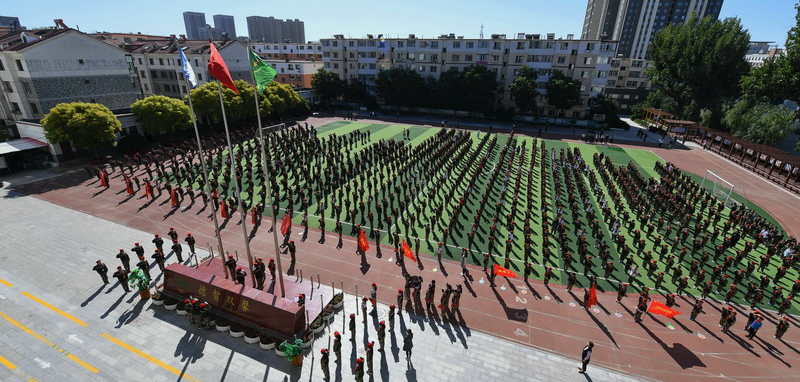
column 590, row 46
column 496, row 45
column 80, row 61
column 587, row 60
column 495, row 58
column 561, row 60
column 433, row 69
column 421, row 68
column 518, row 59
column 564, row 46
column 7, row 87
column 470, row 44
column 161, row 61
column 151, row 61
column 634, row 74
column 456, row 57
column 520, row 45
column 631, row 84
column 34, row 108
column 400, row 44
column 456, row 44
column 199, row 76
column 26, row 86
column 585, row 74
column 140, row 60
column 19, row 66
column 2, row 67
column 435, row 44
column 468, row 58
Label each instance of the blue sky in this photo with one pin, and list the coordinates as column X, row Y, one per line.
column 767, row 20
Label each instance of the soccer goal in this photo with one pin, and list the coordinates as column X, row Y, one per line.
column 719, row 187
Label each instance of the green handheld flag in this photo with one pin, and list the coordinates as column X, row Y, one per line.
column 262, row 72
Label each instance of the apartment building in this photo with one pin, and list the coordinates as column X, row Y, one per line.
column 42, row 68
column 311, row 51
column 627, row 82
column 587, row 61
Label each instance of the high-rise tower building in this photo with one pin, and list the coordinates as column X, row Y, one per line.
column 194, row 21
column 224, row 23
column 270, row 29
column 634, row 22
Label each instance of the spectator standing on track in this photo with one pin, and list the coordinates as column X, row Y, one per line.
column 586, row 356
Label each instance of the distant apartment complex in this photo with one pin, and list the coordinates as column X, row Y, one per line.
column 225, row 25
column 195, row 23
column 588, row 61
column 760, row 51
column 270, row 29
column 197, row 29
column 634, row 22
column 628, row 83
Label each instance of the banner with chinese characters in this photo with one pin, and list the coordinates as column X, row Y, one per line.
column 260, row 308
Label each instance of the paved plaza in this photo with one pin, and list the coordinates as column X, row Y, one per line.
column 58, row 322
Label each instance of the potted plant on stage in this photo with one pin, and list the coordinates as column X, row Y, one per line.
column 308, row 336
column 266, row 342
column 338, row 300
column 170, row 303
column 251, row 335
column 181, row 309
column 317, row 325
column 293, row 351
column 157, row 298
column 236, row 331
column 137, row 279
column 222, row 324
column 328, row 312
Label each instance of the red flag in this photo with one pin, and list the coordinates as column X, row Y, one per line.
column 253, row 215
column 659, row 308
column 128, row 186
column 504, row 272
column 218, row 69
column 103, row 180
column 172, row 196
column 222, row 210
column 286, row 224
column 363, row 243
column 148, row 190
column 407, row 251
column 592, row 297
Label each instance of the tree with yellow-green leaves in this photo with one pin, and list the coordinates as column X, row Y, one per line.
column 89, row 126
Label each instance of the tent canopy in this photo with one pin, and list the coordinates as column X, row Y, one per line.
column 20, row 145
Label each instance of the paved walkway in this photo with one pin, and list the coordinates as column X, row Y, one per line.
column 57, row 322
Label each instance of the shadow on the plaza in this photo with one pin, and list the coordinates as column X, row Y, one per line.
column 683, row 357
column 191, row 346
column 55, row 183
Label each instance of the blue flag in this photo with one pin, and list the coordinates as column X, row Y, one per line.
column 187, row 70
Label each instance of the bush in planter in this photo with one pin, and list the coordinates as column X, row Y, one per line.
column 316, row 323
column 251, row 333
column 291, row 350
column 222, row 322
column 170, row 301
column 236, row 328
column 158, row 296
column 266, row 340
column 181, row 307
column 328, row 310
column 337, row 298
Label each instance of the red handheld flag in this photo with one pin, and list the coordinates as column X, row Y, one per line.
column 407, row 251
column 103, row 180
column 172, row 196
column 128, row 186
column 592, row 297
column 286, row 224
column 363, row 243
column 223, row 210
column 148, row 190
column 659, row 308
column 504, row 272
column 218, row 69
column 253, row 215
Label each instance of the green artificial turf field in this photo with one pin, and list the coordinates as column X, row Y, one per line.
column 444, row 189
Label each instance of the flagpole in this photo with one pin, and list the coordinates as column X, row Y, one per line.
column 205, row 171
column 267, row 176
column 233, row 171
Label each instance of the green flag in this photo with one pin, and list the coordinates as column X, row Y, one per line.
column 262, row 72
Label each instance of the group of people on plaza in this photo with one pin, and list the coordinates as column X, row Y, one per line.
column 588, row 218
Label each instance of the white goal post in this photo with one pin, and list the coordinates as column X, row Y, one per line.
column 719, row 187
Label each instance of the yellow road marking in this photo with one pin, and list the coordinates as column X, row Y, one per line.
column 7, row 363
column 6, row 283
column 49, row 343
column 53, row 308
column 149, row 358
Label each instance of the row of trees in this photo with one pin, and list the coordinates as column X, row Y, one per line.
column 93, row 126
column 474, row 88
column 699, row 73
